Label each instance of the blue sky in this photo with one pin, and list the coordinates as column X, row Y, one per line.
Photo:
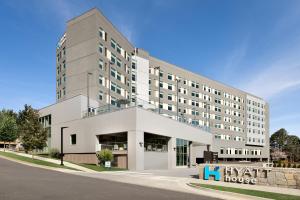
column 252, row 45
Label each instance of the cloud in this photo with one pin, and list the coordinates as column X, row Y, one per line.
column 273, row 80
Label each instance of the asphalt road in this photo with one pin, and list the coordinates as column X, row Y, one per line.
column 22, row 182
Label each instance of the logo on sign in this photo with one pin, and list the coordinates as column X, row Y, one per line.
column 215, row 173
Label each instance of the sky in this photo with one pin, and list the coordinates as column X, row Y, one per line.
column 251, row 45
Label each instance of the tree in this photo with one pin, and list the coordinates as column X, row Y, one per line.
column 8, row 127
column 278, row 139
column 32, row 134
column 292, row 147
column 104, row 155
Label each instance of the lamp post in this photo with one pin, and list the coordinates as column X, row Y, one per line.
column 62, row 145
column 88, row 92
column 158, row 67
column 177, row 96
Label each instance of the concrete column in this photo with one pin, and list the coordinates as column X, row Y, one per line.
column 135, row 150
column 191, row 155
column 172, row 153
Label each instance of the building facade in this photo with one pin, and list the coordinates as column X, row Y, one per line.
column 95, row 60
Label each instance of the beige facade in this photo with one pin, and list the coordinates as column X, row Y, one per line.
column 96, row 60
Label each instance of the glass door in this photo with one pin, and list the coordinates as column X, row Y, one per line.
column 182, row 152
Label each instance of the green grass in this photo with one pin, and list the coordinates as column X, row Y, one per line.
column 257, row 193
column 33, row 161
column 100, row 168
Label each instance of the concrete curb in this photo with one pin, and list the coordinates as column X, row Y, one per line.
column 224, row 194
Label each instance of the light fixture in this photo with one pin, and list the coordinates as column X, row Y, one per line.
column 141, row 144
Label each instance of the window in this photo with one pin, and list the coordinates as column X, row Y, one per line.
column 64, row 64
column 100, row 80
column 221, row 151
column 100, row 95
column 217, row 109
column 169, row 107
column 161, row 95
column 170, row 87
column 113, row 44
column 73, row 139
column 170, row 77
column 100, row 48
column 218, row 101
column 161, row 73
column 101, row 33
column 170, row 97
column 119, row 62
column 113, row 58
column 100, row 64
column 64, row 91
column 218, row 117
column 119, row 48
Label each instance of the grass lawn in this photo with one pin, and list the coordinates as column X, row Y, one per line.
column 100, row 168
column 31, row 160
column 270, row 195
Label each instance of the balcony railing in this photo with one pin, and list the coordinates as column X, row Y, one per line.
column 108, row 108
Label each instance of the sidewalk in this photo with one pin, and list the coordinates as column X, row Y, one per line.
column 67, row 164
column 178, row 184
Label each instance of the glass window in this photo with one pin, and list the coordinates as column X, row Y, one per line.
column 100, row 64
column 101, row 48
column 73, row 139
column 113, row 44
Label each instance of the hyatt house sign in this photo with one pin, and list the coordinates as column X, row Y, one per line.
column 244, row 175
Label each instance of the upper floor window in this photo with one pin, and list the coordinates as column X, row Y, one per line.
column 113, row 44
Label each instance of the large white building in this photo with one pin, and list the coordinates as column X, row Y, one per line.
column 95, row 60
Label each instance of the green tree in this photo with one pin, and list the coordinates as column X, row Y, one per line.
column 104, row 155
column 279, row 138
column 292, row 147
column 33, row 136
column 8, row 127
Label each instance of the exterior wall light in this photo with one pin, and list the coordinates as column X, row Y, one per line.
column 141, row 144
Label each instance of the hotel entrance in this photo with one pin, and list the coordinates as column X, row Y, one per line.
column 182, row 152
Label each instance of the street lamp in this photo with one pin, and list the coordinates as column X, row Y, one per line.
column 177, row 81
column 88, row 92
column 62, row 145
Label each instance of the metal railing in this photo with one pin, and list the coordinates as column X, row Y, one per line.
column 141, row 104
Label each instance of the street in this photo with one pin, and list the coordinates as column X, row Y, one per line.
column 22, row 182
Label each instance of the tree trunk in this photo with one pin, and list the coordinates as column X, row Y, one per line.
column 4, row 146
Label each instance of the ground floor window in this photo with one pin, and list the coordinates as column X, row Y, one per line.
column 157, row 143
column 182, row 152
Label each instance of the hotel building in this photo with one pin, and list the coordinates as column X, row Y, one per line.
column 101, row 78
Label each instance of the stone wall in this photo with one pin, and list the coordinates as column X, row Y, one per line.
column 278, row 177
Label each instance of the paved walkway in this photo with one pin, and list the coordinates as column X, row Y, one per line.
column 55, row 161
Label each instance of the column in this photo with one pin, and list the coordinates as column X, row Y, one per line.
column 172, row 153
column 135, row 150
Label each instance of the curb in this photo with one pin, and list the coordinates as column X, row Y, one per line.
column 225, row 194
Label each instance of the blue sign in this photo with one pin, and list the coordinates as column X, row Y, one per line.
column 216, row 173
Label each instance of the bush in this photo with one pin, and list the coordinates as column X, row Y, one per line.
column 298, row 166
column 283, row 165
column 54, row 153
column 278, row 165
column 294, row 166
column 104, row 155
column 289, row 165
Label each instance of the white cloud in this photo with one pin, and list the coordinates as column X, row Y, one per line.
column 277, row 78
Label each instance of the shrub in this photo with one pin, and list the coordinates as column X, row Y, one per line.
column 104, row 155
column 294, row 166
column 289, row 165
column 298, row 166
column 283, row 165
column 54, row 153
